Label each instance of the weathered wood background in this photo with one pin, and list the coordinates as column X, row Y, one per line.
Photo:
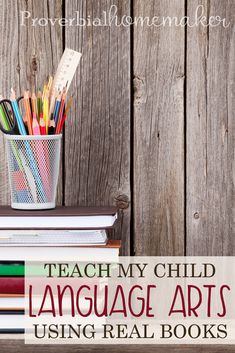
column 152, row 128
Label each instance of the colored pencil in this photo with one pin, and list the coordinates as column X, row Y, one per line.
column 48, row 105
column 44, row 91
column 42, row 125
column 49, row 85
column 25, row 124
column 34, row 104
column 17, row 113
column 61, row 111
column 57, row 108
column 65, row 114
column 3, row 117
column 68, row 106
column 62, row 124
column 46, row 111
column 28, row 112
column 52, row 101
column 51, row 129
column 39, row 104
column 35, row 126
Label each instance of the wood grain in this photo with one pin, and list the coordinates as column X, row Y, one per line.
column 211, row 133
column 97, row 141
column 159, row 132
column 28, row 55
column 8, row 346
column 99, row 150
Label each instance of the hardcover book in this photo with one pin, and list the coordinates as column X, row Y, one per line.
column 59, row 218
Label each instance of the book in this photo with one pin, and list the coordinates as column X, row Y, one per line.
column 12, row 322
column 52, row 238
column 15, row 285
column 105, row 253
column 58, row 218
column 17, row 303
column 12, row 285
column 11, row 269
column 36, row 270
column 12, row 303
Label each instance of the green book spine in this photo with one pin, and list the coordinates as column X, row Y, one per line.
column 11, row 270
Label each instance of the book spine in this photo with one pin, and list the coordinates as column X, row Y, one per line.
column 11, row 312
column 11, row 330
column 11, row 270
column 12, row 285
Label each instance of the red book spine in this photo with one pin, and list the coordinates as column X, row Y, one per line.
column 11, row 285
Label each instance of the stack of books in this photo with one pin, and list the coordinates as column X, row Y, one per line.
column 11, row 296
column 61, row 234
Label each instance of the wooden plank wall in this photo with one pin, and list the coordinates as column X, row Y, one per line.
column 159, row 132
column 97, row 143
column 152, row 128
column 28, row 54
column 211, row 133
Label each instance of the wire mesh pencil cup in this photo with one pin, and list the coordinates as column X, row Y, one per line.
column 33, row 168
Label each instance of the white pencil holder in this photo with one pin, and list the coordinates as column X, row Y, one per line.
column 33, row 167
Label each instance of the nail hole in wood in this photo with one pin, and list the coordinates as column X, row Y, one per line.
column 196, row 215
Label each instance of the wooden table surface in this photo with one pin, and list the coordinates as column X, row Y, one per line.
column 8, row 346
